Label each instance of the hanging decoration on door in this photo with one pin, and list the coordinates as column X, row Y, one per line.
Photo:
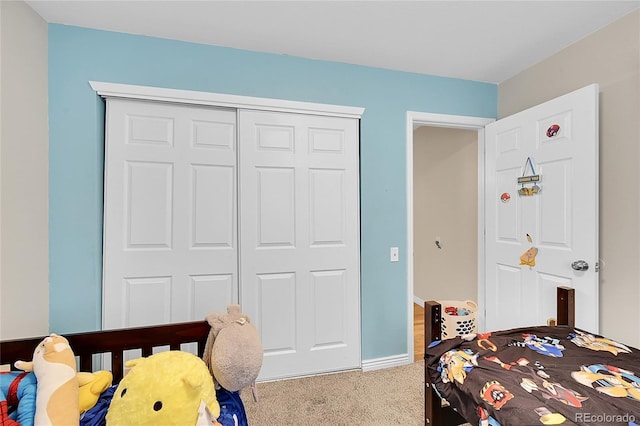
column 529, row 183
column 529, row 257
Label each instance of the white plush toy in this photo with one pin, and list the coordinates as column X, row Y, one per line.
column 54, row 365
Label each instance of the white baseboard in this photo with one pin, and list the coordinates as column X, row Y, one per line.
column 385, row 362
column 417, row 300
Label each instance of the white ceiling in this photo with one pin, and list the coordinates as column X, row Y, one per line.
column 487, row 41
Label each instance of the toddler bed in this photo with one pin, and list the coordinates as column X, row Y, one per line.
column 530, row 376
column 114, row 343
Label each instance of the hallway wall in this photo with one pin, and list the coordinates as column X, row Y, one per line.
column 445, row 194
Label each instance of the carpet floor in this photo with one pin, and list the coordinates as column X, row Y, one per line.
column 390, row 396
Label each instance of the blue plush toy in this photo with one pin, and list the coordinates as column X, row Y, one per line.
column 18, row 392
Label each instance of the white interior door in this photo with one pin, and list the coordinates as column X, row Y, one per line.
column 170, row 226
column 300, row 240
column 560, row 221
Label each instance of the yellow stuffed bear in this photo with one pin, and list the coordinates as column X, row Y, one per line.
column 167, row 388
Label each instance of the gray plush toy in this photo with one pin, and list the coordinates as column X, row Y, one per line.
column 233, row 351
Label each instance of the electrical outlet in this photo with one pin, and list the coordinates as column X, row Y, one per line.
column 394, row 254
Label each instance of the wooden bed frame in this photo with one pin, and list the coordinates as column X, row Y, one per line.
column 434, row 413
column 114, row 342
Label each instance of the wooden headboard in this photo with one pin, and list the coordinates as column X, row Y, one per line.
column 565, row 314
column 114, row 342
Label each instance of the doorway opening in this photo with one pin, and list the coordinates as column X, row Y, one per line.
column 434, row 123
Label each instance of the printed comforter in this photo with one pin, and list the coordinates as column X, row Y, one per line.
column 540, row 375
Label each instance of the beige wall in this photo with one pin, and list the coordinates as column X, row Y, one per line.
column 24, row 166
column 611, row 58
column 445, row 198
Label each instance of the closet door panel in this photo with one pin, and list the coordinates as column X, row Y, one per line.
column 170, row 218
column 299, row 250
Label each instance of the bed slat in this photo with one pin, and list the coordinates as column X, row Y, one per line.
column 85, row 363
column 117, row 364
column 148, row 351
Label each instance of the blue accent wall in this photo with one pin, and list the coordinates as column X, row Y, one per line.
column 76, row 119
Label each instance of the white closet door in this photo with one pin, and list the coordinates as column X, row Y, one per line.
column 299, row 232
column 170, row 251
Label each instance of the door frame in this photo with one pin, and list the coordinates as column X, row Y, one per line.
column 161, row 94
column 416, row 119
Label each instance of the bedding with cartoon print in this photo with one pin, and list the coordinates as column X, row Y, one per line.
column 540, row 375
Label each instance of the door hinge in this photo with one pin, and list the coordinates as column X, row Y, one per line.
column 597, row 266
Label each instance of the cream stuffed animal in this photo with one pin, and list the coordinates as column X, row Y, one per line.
column 233, row 351
column 54, row 365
